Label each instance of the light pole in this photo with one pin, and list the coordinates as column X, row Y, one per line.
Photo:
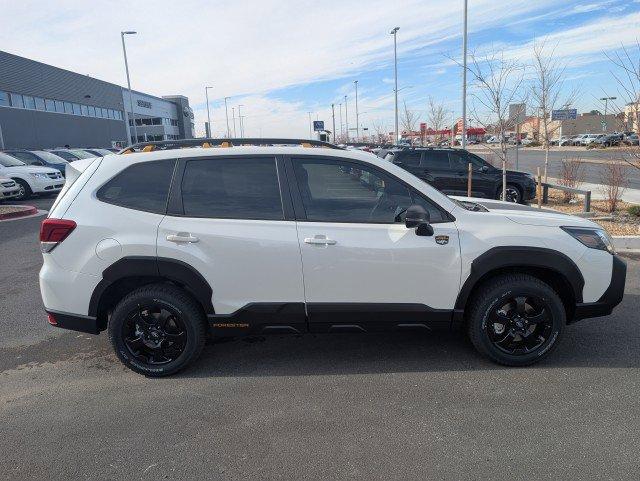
column 357, row 116
column 126, row 66
column 226, row 112
column 333, row 116
column 346, row 118
column 233, row 113
column 464, row 79
column 240, row 117
column 604, row 122
column 394, row 32
column 310, row 134
column 206, row 92
column 341, row 121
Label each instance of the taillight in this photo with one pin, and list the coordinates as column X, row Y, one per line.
column 53, row 232
column 52, row 319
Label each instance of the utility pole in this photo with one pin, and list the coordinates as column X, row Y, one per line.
column 604, row 122
column 126, row 66
column 310, row 133
column 464, row 78
column 357, row 116
column 233, row 113
column 240, row 119
column 206, row 92
column 341, row 132
column 333, row 116
column 346, row 118
column 394, row 32
column 226, row 111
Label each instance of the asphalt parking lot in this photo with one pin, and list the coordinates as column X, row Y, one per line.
column 375, row 406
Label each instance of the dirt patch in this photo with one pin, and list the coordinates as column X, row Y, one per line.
column 10, row 209
column 619, row 222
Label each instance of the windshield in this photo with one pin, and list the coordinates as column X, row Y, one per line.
column 66, row 155
column 83, row 154
column 49, row 157
column 8, row 161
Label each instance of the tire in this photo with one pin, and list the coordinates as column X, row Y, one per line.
column 514, row 193
column 484, row 320
column 157, row 315
column 25, row 190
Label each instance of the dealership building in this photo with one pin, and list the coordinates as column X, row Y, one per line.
column 42, row 106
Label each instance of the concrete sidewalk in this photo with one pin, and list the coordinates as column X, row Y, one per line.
column 597, row 191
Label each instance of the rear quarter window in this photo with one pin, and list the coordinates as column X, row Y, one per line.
column 143, row 186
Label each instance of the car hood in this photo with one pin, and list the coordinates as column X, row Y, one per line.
column 529, row 215
column 31, row 169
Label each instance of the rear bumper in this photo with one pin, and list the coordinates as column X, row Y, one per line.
column 611, row 297
column 74, row 322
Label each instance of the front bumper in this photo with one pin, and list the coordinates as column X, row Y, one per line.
column 529, row 191
column 611, row 297
column 9, row 192
column 39, row 186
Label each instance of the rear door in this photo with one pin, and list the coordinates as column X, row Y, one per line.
column 483, row 184
column 436, row 170
column 231, row 219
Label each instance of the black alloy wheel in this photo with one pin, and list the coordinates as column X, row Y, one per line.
column 512, row 194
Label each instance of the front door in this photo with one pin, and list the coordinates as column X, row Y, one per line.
column 483, row 183
column 363, row 269
column 228, row 219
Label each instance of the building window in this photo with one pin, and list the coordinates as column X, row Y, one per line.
column 59, row 106
column 76, row 109
column 4, row 99
column 92, row 111
column 49, row 105
column 40, row 105
column 29, row 103
column 68, row 109
column 85, row 110
column 16, row 101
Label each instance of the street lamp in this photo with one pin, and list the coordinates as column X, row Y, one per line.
column 310, row 133
column 226, row 112
column 206, row 92
column 357, row 116
column 346, row 118
column 126, row 66
column 240, row 119
column 604, row 122
column 394, row 32
column 464, row 79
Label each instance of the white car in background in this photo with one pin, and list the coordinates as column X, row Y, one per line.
column 30, row 179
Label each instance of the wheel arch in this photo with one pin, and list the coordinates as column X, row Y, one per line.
column 130, row 273
column 548, row 265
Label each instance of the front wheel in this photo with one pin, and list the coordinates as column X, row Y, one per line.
column 516, row 320
column 25, row 191
column 513, row 194
column 157, row 330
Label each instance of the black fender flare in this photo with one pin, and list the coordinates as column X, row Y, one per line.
column 154, row 267
column 521, row 256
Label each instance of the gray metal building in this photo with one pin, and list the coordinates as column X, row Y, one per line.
column 42, row 106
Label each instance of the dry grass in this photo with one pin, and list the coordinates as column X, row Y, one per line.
column 5, row 209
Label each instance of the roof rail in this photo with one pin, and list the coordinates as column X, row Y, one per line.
column 224, row 142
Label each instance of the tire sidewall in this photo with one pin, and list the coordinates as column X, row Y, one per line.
column 498, row 295
column 120, row 315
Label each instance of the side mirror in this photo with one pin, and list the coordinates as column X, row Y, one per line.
column 418, row 217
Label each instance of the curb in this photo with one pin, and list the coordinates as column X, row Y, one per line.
column 26, row 211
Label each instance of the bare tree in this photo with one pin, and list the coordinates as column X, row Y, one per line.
column 571, row 175
column 497, row 82
column 614, row 180
column 380, row 132
column 437, row 117
column 546, row 92
column 627, row 74
column 409, row 119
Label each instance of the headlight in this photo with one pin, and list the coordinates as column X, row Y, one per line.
column 39, row 176
column 592, row 238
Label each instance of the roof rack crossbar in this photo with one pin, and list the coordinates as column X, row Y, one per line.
column 224, row 142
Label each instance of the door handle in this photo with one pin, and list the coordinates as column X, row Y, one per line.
column 319, row 240
column 181, row 237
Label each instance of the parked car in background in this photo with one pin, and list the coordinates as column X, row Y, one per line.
column 589, row 138
column 40, row 158
column 72, row 155
column 31, row 179
column 576, row 140
column 631, row 139
column 609, row 140
column 560, row 141
column 9, row 188
column 447, row 171
column 98, row 152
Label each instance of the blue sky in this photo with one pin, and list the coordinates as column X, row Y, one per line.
column 281, row 59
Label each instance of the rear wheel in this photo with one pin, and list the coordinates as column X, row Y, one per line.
column 157, row 330
column 513, row 194
column 25, row 191
column 516, row 320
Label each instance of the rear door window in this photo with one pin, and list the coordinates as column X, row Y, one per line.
column 143, row 186
column 410, row 159
column 232, row 188
column 436, row 160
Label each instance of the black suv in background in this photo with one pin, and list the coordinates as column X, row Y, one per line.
column 447, row 170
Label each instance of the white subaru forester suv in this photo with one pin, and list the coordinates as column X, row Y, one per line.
column 164, row 245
